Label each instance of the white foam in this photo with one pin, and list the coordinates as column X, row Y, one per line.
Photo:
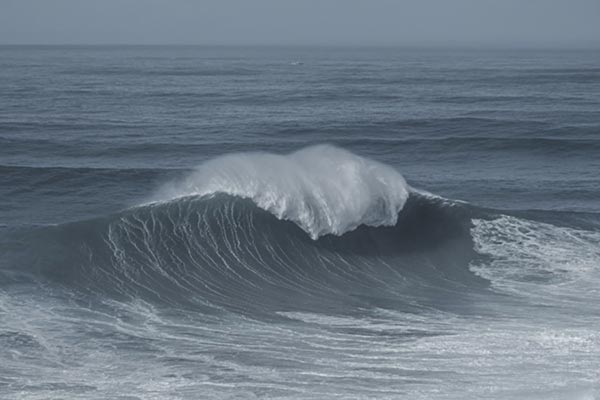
column 527, row 251
column 323, row 189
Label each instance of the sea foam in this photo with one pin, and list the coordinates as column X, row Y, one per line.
column 323, row 189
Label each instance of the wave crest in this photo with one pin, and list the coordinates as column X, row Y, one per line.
column 323, row 189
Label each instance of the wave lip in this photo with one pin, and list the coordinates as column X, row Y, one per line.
column 323, row 189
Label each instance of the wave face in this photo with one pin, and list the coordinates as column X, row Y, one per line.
column 221, row 252
column 323, row 189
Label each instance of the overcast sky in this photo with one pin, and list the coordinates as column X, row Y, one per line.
column 361, row 22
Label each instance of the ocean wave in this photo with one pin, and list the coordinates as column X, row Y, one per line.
column 263, row 233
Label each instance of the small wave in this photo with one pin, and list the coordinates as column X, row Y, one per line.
column 323, row 189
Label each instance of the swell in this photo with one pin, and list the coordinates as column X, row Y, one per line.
column 474, row 144
column 28, row 177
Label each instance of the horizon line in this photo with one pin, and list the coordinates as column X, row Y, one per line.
column 457, row 45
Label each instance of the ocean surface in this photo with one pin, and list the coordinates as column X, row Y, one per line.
column 304, row 223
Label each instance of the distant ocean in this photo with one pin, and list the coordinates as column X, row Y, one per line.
column 310, row 223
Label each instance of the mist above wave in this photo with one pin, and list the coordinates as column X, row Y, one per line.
column 323, row 189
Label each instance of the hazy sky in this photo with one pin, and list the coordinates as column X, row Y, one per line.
column 384, row 22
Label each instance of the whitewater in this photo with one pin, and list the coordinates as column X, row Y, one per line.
column 323, row 189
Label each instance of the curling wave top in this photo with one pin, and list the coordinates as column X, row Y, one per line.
column 323, row 189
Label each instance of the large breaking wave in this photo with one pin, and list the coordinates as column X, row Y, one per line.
column 317, row 229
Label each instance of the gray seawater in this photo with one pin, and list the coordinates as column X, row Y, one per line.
column 353, row 223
